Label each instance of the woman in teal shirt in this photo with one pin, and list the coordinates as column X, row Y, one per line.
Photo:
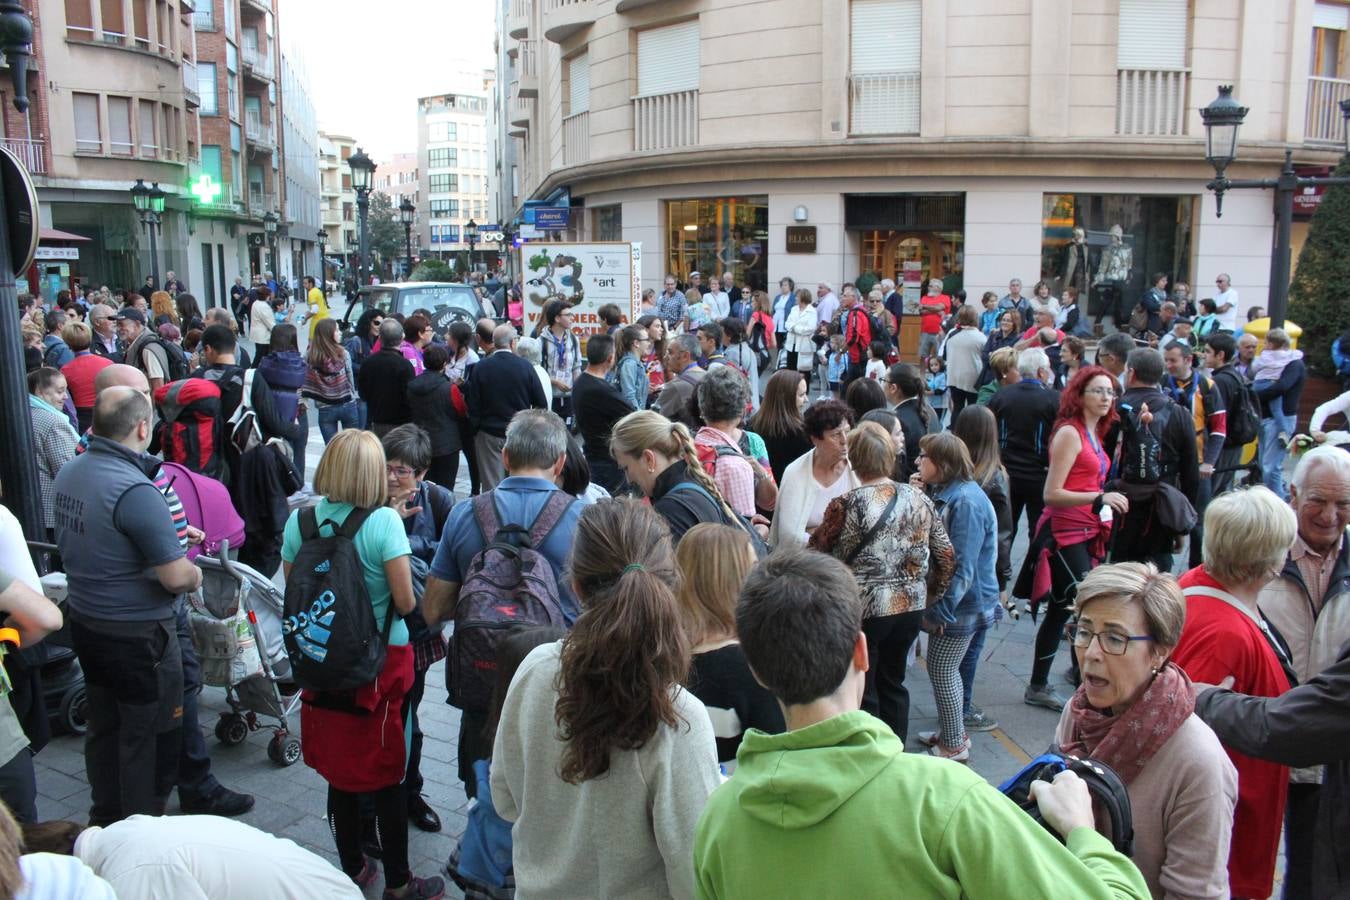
column 351, row 475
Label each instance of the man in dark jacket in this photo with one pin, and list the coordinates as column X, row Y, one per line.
column 1306, row 726
column 905, row 389
column 383, row 381
column 500, row 386
column 1141, row 535
column 1026, row 414
column 597, row 405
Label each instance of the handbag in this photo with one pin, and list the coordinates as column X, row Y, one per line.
column 873, row 531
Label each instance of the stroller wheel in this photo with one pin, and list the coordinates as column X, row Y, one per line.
column 231, row 729
column 74, row 711
column 284, row 749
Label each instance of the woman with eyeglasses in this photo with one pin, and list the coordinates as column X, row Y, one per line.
column 1135, row 712
column 1072, row 532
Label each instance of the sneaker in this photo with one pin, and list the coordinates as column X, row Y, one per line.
column 418, row 889
column 1041, row 695
column 976, row 720
column 956, row 754
column 369, row 872
column 223, row 802
column 928, row 738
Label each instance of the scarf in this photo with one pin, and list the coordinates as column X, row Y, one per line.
column 1128, row 742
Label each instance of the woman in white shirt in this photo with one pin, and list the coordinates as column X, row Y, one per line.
column 801, row 328
column 816, row 477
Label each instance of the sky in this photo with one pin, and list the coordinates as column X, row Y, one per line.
column 369, row 61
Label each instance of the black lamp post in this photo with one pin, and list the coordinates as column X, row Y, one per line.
column 149, row 203
column 18, row 466
column 471, row 238
column 406, row 212
column 323, row 263
column 1223, row 117
column 363, row 174
column 270, row 229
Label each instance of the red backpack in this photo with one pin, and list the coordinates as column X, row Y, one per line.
column 709, row 454
column 189, row 426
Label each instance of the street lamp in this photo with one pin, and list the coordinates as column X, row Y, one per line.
column 323, row 262
column 363, row 174
column 406, row 211
column 149, row 203
column 1223, row 117
column 471, row 237
column 270, row 229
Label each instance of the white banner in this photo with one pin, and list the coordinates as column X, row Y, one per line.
column 48, row 253
column 586, row 275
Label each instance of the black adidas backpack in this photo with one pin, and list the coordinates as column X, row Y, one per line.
column 328, row 625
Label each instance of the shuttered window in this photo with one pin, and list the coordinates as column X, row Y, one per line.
column 79, row 20
column 146, row 124
column 88, row 138
column 119, row 125
column 1153, row 35
column 885, row 48
column 667, row 59
column 1329, row 15
column 579, row 84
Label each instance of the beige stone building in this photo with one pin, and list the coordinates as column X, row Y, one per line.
column 337, row 200
column 963, row 139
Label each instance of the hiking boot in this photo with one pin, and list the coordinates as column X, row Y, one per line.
column 221, row 802
column 1041, row 695
column 418, row 889
column 976, row 720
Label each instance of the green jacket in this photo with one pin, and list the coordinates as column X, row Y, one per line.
column 838, row 809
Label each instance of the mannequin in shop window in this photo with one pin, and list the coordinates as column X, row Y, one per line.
column 1113, row 272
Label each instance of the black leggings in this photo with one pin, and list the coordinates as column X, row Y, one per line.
column 1067, row 567
column 391, row 817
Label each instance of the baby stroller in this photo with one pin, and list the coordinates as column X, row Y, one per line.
column 62, row 678
column 236, row 631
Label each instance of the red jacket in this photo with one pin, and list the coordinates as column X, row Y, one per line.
column 366, row 750
column 1218, row 641
column 858, row 334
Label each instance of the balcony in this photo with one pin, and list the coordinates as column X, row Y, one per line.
column 190, row 95
column 521, row 108
column 527, row 71
column 256, row 63
column 883, row 103
column 624, row 6
column 262, row 136
column 518, row 18
column 1151, row 102
column 32, row 154
column 665, row 121
column 1325, row 125
column 577, row 139
column 260, row 7
column 260, row 203
column 564, row 18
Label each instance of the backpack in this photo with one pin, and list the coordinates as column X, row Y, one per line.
column 756, row 542
column 1107, row 790
column 1141, row 446
column 328, row 625
column 189, row 411
column 507, row 583
column 759, row 346
column 243, row 431
column 1242, row 409
column 176, row 356
column 709, row 454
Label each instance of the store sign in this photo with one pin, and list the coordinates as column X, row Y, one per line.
column 801, row 239
column 551, row 218
column 1307, row 199
column 585, row 275
column 51, row 253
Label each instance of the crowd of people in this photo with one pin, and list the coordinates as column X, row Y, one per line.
column 736, row 520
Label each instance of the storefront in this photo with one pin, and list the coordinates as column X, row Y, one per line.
column 719, row 235
column 56, row 265
column 910, row 238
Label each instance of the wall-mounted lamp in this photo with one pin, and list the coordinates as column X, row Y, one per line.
column 799, row 214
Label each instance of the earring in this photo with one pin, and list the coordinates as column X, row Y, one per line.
column 1155, row 670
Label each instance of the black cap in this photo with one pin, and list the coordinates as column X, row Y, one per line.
column 132, row 313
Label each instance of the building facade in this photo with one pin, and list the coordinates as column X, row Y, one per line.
column 398, row 179
column 337, row 202
column 504, row 180
column 453, row 164
column 300, row 139
column 960, row 139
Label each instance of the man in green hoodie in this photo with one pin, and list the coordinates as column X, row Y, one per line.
column 835, row 807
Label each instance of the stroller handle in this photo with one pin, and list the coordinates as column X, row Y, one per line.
column 224, row 556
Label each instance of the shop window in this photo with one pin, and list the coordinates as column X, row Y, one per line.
column 1112, row 270
column 722, row 235
column 608, row 223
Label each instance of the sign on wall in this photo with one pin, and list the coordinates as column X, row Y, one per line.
column 586, row 275
column 801, row 239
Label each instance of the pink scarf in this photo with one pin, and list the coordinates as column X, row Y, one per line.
column 1128, row 741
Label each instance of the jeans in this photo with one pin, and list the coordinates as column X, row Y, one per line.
column 1272, row 454
column 889, row 640
column 331, row 416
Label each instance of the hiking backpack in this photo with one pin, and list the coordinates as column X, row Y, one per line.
column 507, row 583
column 1242, row 409
column 189, row 411
column 1141, row 446
column 328, row 625
column 178, row 367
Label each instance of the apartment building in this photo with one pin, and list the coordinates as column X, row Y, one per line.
column 300, row 167
column 453, row 164
column 961, row 139
column 397, row 178
column 337, row 200
column 503, row 180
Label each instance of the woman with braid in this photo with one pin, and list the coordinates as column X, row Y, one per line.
column 659, row 456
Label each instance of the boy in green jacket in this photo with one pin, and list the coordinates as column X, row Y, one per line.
column 834, row 807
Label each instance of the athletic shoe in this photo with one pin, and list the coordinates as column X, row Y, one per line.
column 419, row 889
column 958, row 754
column 976, row 720
column 1043, row 696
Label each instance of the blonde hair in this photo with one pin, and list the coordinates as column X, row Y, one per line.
column 649, row 430
column 1003, row 360
column 77, row 335
column 1157, row 593
column 1248, row 534
column 871, row 451
column 714, row 560
column 351, row 470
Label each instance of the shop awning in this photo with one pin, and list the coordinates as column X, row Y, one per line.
column 53, row 234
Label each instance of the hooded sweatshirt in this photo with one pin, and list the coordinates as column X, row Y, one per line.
column 837, row 809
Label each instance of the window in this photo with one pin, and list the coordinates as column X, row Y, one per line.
column 79, row 20
column 346, row 181
column 232, row 95
column 88, row 136
column 1152, row 35
column 451, row 233
column 885, row 56
column 140, row 20
column 1330, row 23
column 211, row 162
column 114, row 26
column 204, row 17
column 206, row 89
column 608, row 223
column 168, row 137
column 165, row 21
column 579, row 84
column 119, row 126
column 229, row 15
column 436, row 132
column 444, row 184
column 445, row 209
column 231, row 58
column 442, row 157
column 716, row 234
column 667, row 59
column 146, row 127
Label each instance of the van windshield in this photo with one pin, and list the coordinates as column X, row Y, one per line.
column 434, row 297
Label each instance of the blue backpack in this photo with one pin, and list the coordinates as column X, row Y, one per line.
column 1104, row 784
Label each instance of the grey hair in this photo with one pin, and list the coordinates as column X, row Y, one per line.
column 887, row 284
column 529, row 348
column 391, row 332
column 1031, row 361
column 1321, row 457
column 220, row 315
column 688, row 343
column 722, row 395
column 1277, row 337
column 535, row 438
column 503, row 336
column 100, row 311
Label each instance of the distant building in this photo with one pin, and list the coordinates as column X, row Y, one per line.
column 453, row 169
column 397, row 178
column 337, row 199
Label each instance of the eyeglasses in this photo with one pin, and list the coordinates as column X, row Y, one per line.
column 1112, row 642
column 1101, row 392
column 400, row 471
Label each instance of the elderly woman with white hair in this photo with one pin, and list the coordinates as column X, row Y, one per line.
column 1248, row 534
column 1135, row 712
column 530, row 349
